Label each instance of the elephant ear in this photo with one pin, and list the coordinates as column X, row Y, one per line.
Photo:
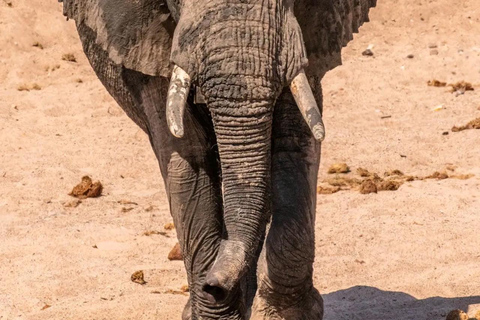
column 136, row 34
column 327, row 26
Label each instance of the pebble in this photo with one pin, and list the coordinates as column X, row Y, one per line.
column 367, row 53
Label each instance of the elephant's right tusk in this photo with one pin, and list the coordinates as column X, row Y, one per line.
column 303, row 95
column 177, row 100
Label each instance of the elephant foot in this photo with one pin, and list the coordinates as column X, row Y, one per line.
column 310, row 307
column 187, row 311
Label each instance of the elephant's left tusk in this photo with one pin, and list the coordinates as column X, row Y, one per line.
column 177, row 100
column 303, row 95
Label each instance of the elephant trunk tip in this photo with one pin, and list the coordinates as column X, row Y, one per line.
column 214, row 291
column 224, row 277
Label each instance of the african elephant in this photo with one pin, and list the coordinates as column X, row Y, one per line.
column 232, row 107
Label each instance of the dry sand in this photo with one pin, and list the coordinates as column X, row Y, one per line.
column 408, row 254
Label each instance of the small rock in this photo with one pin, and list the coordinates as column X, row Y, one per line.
column 175, row 253
column 138, row 277
column 410, row 56
column 367, row 53
column 432, row 46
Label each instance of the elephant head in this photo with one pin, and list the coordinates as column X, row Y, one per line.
column 240, row 54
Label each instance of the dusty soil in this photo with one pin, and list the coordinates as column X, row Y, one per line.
column 413, row 253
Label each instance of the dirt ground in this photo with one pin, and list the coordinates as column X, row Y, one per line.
column 408, row 254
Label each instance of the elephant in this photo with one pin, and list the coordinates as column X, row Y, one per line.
column 229, row 94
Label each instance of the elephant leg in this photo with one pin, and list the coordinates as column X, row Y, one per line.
column 285, row 285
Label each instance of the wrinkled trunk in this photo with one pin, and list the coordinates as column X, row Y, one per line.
column 244, row 143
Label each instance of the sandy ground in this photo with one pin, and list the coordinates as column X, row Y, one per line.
column 407, row 254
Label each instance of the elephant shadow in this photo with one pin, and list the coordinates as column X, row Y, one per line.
column 369, row 303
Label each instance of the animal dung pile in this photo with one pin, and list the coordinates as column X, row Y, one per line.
column 138, row 277
column 175, row 253
column 339, row 168
column 459, row 87
column 474, row 124
column 87, row 189
column 371, row 182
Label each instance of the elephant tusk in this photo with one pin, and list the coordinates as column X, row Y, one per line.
column 303, row 95
column 177, row 100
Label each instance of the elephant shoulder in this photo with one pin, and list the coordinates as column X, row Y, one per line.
column 327, row 26
column 136, row 34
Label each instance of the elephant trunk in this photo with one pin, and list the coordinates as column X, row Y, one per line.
column 243, row 130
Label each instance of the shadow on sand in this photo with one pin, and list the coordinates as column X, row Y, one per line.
column 369, row 303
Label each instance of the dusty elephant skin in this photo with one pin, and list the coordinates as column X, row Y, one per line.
column 247, row 155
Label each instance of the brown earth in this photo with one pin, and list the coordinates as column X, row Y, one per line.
column 413, row 253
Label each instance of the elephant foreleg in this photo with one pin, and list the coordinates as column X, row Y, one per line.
column 190, row 170
column 285, row 285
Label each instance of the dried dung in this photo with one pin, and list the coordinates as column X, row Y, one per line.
column 125, row 202
column 395, row 172
column 150, row 232
column 138, row 277
column 327, row 190
column 175, row 253
column 70, row 57
column 344, row 182
column 169, row 226
column 437, row 175
column 436, row 83
column 339, row 168
column 87, row 189
column 462, row 176
column 474, row 124
column 363, row 172
column 461, row 86
column 368, row 186
column 457, row 315
column 389, row 185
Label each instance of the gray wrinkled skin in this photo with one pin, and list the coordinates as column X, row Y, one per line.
column 247, row 157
